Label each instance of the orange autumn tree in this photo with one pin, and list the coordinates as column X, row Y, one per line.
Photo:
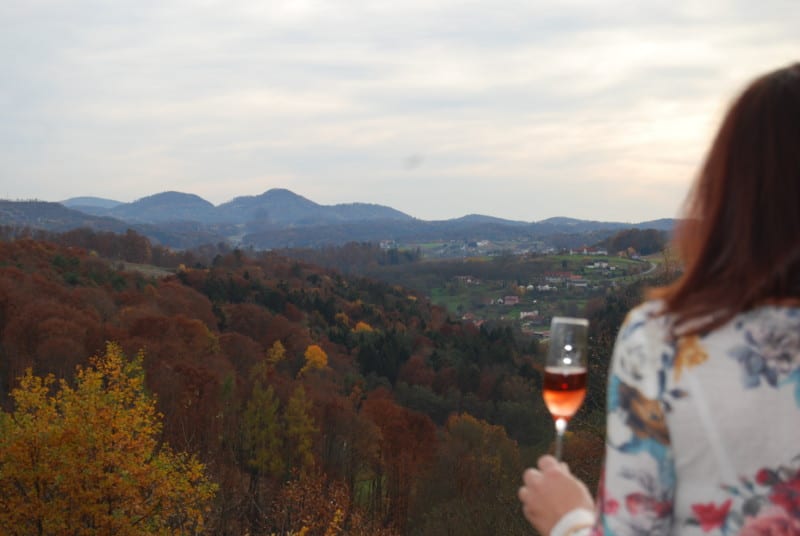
column 316, row 359
column 86, row 459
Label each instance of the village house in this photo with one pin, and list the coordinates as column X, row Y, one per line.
column 557, row 277
column 578, row 281
column 470, row 317
column 588, row 250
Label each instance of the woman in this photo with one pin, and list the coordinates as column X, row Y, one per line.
column 703, row 429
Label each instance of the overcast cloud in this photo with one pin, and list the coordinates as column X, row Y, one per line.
column 523, row 110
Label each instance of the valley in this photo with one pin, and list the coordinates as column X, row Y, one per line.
column 366, row 376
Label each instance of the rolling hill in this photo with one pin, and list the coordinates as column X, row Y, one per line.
column 280, row 218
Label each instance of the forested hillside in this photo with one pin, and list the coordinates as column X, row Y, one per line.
column 335, row 404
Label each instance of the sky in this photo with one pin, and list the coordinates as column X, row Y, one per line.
column 525, row 110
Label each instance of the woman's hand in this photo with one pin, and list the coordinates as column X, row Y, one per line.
column 551, row 492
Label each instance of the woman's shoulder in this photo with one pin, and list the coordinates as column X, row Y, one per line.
column 647, row 309
column 647, row 320
column 643, row 347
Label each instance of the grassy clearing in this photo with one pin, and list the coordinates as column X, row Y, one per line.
column 147, row 270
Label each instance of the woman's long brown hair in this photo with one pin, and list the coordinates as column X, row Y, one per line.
column 739, row 239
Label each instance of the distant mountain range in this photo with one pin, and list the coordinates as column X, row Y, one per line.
column 274, row 207
column 279, row 218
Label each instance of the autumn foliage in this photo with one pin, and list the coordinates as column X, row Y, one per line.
column 86, row 459
column 316, row 403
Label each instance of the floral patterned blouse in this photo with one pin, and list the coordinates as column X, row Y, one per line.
column 703, row 433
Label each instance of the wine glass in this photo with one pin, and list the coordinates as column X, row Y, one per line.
column 565, row 372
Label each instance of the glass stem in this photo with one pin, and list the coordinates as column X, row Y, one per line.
column 561, row 427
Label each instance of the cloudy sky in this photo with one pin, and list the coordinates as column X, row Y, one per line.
column 594, row 109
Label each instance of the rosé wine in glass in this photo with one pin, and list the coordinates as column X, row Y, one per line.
column 564, row 386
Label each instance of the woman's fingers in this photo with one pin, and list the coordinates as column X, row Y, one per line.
column 531, row 476
column 547, row 462
column 549, row 492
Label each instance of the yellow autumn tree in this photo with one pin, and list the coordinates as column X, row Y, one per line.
column 299, row 431
column 316, row 359
column 85, row 458
column 276, row 353
column 363, row 327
